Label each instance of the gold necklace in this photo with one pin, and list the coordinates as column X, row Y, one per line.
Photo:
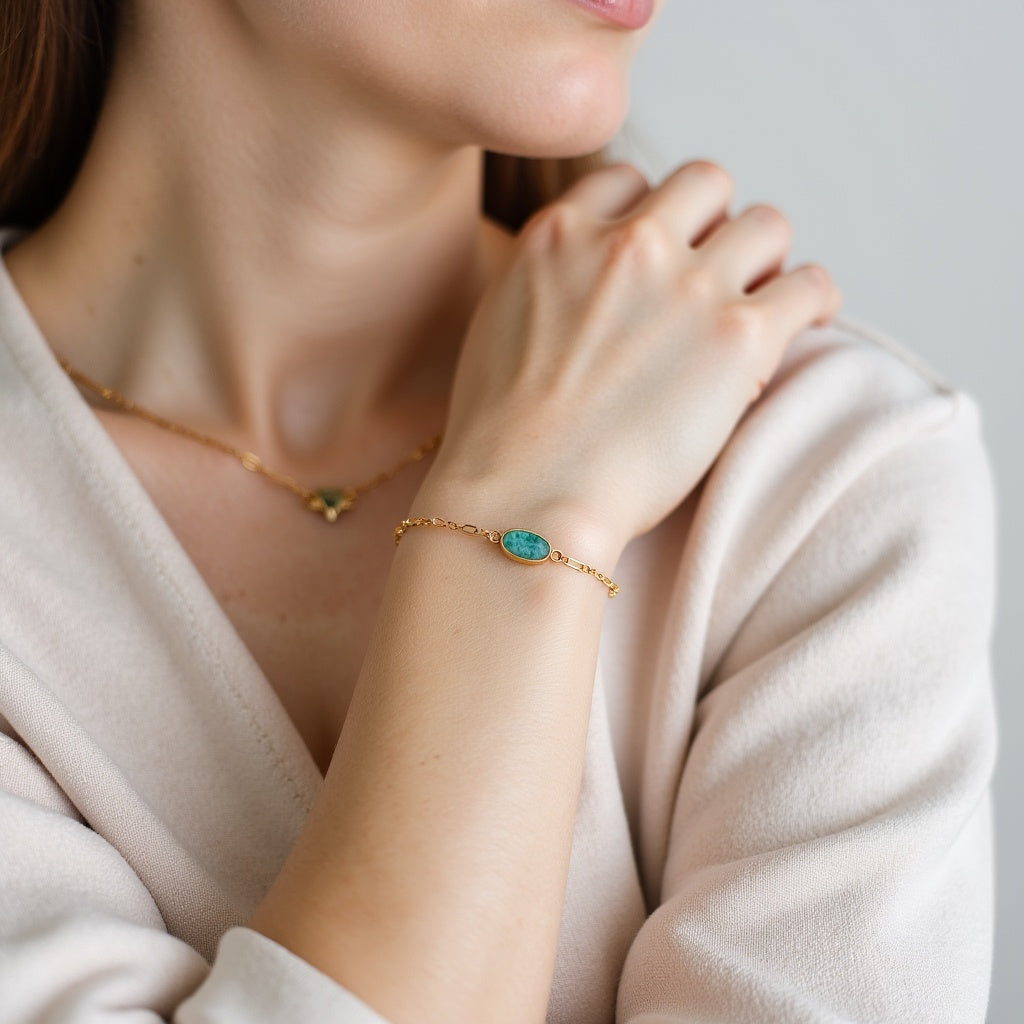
column 329, row 502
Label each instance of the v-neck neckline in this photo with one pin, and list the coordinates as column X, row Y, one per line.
column 247, row 686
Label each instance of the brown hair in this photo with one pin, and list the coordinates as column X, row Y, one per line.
column 54, row 62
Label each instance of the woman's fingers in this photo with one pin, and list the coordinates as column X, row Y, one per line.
column 688, row 202
column 609, row 192
column 746, row 249
column 799, row 298
column 759, row 327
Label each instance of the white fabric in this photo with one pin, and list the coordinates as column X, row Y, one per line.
column 784, row 814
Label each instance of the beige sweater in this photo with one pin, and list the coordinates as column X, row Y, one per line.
column 784, row 814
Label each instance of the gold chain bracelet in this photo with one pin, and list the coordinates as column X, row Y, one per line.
column 519, row 545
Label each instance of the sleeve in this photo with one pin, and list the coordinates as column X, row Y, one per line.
column 82, row 941
column 829, row 850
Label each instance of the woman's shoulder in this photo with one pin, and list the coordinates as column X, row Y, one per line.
column 846, row 400
column 849, row 369
column 872, row 345
column 859, row 463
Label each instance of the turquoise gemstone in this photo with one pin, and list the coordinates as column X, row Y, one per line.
column 525, row 546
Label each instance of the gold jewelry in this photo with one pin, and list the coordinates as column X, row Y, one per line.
column 329, row 502
column 520, row 545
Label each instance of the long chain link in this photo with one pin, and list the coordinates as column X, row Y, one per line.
column 494, row 536
column 326, row 501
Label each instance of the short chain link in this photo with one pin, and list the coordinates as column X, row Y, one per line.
column 494, row 536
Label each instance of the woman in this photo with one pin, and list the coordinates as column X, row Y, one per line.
column 754, row 790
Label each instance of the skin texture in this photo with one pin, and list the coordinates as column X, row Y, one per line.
column 299, row 267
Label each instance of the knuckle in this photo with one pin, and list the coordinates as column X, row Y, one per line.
column 697, row 285
column 642, row 241
column 741, row 328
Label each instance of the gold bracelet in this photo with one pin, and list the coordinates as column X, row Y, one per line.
column 520, row 545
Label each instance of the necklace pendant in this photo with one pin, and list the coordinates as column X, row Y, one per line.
column 330, row 502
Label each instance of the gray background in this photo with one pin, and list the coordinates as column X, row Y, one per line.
column 890, row 132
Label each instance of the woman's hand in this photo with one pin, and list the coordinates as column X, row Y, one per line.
column 609, row 363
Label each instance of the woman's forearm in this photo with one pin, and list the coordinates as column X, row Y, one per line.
column 430, row 877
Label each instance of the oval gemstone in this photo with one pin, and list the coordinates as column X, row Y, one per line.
column 524, row 546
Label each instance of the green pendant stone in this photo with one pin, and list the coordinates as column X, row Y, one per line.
column 332, row 501
column 524, row 546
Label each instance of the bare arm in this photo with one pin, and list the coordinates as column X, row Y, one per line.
column 597, row 382
column 431, row 876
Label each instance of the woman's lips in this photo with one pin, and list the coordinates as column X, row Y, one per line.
column 627, row 13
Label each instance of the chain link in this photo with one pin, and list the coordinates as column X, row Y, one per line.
column 558, row 556
column 494, row 536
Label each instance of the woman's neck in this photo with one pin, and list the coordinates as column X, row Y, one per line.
column 251, row 253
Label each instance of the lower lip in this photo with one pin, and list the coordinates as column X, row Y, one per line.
column 626, row 13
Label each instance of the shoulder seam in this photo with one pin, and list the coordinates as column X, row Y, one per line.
column 894, row 348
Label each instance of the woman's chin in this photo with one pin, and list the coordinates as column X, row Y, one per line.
column 574, row 118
